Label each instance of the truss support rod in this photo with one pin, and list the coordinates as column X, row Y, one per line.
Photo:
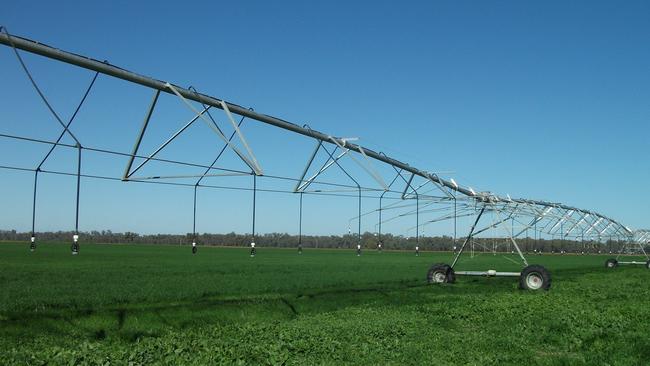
column 469, row 237
column 493, row 225
column 533, row 223
column 352, row 179
column 331, row 161
column 369, row 169
column 440, row 186
column 560, row 221
column 169, row 140
column 606, row 228
column 223, row 149
column 593, row 225
column 408, row 185
column 256, row 165
column 66, row 128
column 138, row 141
column 512, row 238
column 214, row 127
column 304, row 172
column 584, row 217
column 641, row 245
column 443, row 218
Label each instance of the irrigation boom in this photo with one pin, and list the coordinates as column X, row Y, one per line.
column 162, row 86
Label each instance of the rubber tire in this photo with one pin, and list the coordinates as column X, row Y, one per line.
column 441, row 267
column 611, row 263
column 194, row 249
column 541, row 271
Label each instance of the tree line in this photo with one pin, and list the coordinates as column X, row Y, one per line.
column 284, row 240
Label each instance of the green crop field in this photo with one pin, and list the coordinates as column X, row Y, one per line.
column 138, row 304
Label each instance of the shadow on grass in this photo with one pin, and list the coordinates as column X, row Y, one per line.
column 131, row 322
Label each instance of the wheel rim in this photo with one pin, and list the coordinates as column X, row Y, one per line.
column 610, row 264
column 439, row 277
column 534, row 281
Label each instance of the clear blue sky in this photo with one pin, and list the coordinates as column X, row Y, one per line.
column 546, row 100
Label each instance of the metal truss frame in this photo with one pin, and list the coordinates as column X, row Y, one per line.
column 544, row 217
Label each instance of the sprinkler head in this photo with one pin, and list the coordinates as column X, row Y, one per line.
column 75, row 244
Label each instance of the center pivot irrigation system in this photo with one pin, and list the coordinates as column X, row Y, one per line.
column 417, row 191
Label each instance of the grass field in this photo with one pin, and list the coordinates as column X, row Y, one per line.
column 119, row 304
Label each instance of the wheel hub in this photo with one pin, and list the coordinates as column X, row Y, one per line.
column 534, row 281
column 439, row 277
